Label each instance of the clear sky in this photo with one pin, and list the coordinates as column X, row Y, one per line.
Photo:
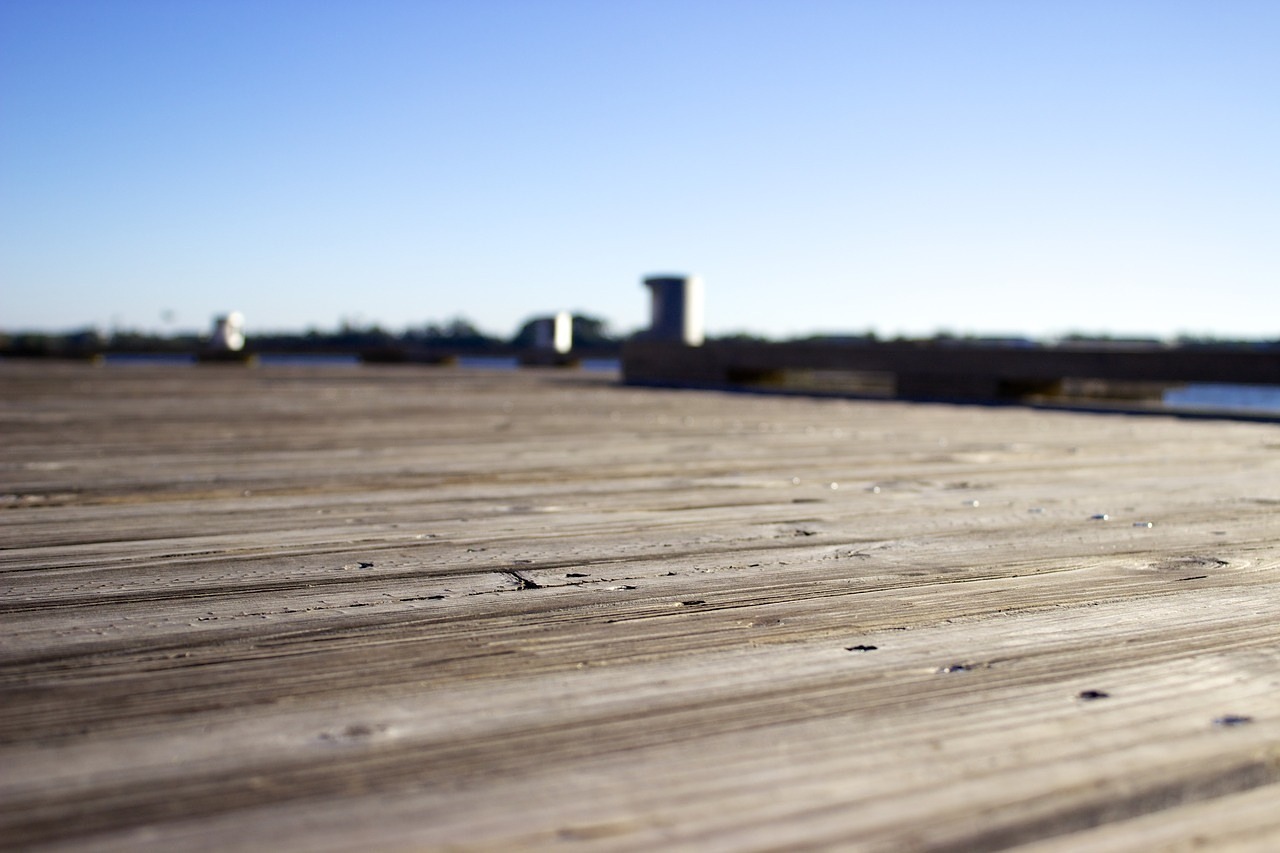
column 906, row 166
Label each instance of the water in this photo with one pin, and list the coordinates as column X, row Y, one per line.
column 1256, row 399
column 602, row 365
column 489, row 362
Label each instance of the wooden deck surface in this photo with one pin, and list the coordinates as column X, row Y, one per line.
column 439, row 608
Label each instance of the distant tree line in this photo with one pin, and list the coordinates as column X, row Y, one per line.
column 591, row 335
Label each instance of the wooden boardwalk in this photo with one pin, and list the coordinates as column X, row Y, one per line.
column 449, row 609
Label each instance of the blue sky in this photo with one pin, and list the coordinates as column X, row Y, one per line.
column 908, row 166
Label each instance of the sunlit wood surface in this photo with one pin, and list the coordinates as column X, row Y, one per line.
column 354, row 608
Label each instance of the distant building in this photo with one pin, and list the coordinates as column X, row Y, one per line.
column 228, row 333
column 677, row 302
column 554, row 333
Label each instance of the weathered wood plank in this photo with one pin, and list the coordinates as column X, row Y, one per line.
column 336, row 609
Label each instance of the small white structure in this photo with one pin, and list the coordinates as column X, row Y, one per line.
column 677, row 309
column 554, row 333
column 228, row 333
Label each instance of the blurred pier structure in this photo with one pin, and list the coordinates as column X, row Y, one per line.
column 945, row 371
column 673, row 353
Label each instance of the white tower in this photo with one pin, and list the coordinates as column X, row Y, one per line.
column 677, row 308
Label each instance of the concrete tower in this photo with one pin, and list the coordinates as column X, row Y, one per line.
column 677, row 308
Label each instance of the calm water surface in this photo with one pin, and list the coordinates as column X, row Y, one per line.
column 1235, row 398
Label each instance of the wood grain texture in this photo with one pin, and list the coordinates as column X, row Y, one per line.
column 440, row 608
